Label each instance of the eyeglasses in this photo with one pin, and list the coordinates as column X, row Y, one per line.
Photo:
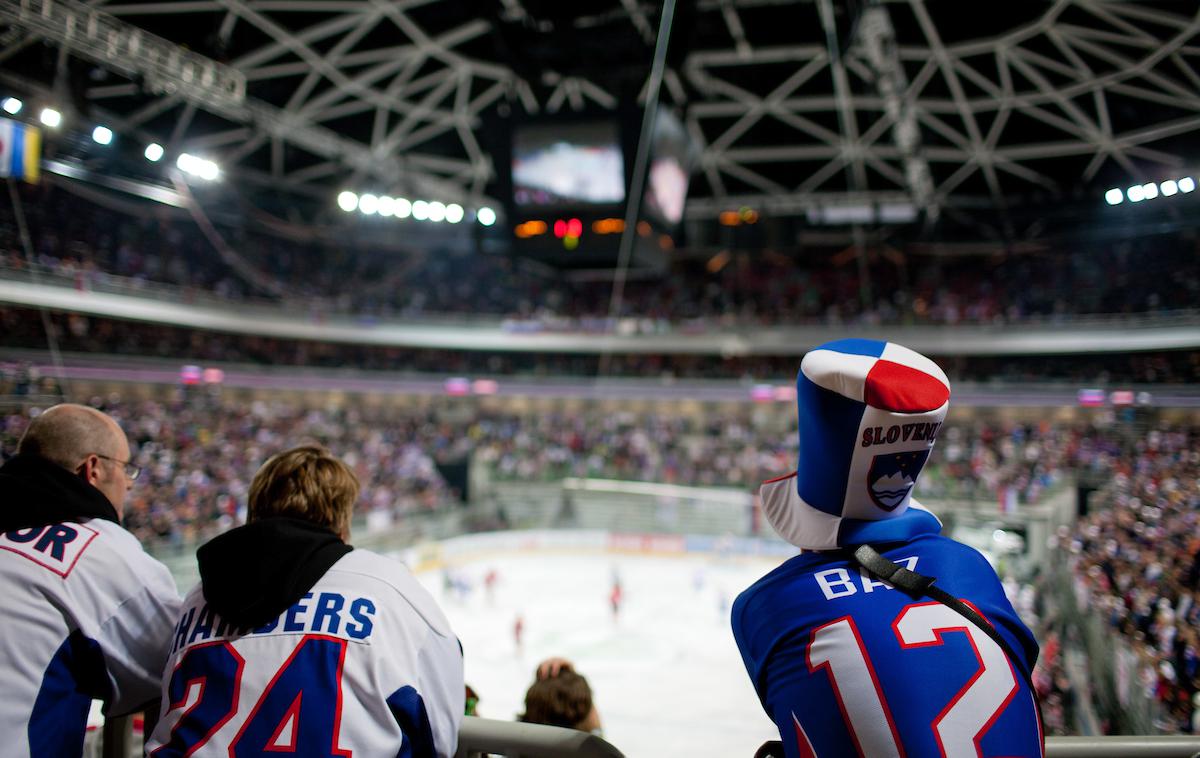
column 132, row 470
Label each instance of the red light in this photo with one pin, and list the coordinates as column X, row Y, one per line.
column 574, row 227
column 560, row 228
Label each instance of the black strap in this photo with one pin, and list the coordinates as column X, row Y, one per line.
column 918, row 585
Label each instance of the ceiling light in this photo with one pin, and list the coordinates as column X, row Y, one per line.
column 50, row 117
column 154, row 152
column 12, row 106
column 348, row 201
column 102, row 135
column 1168, row 188
column 1135, row 194
column 1114, row 196
column 1187, row 184
column 197, row 166
column 1150, row 189
column 437, row 211
column 368, row 204
column 486, row 216
column 403, row 207
column 387, row 206
column 454, row 213
column 420, row 210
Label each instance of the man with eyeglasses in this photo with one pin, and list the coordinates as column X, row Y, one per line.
column 87, row 614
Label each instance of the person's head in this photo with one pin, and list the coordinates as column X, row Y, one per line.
column 85, row 441
column 563, row 700
column 869, row 412
column 305, row 483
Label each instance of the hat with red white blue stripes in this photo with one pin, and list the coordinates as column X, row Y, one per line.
column 869, row 414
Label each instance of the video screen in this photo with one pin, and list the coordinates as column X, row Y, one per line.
column 568, row 164
column 671, row 162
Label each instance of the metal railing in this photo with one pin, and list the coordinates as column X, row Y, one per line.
column 479, row 737
column 488, row 736
column 1122, row 747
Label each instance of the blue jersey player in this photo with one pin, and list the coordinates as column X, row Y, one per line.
column 845, row 664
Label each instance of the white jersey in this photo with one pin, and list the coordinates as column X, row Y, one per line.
column 87, row 614
column 364, row 664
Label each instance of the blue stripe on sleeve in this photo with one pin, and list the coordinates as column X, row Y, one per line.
column 409, row 710
column 74, row 678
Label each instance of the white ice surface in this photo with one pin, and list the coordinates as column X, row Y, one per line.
column 666, row 675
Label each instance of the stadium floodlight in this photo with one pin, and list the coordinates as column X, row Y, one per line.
column 1187, row 184
column 197, row 166
column 387, row 206
column 437, row 211
column 403, row 207
column 154, row 152
column 486, row 216
column 1150, row 190
column 420, row 210
column 12, row 106
column 102, row 135
column 1135, row 194
column 454, row 213
column 1168, row 188
column 50, row 117
column 1114, row 196
column 368, row 204
column 348, row 201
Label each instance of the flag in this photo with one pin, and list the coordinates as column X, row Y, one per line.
column 20, row 150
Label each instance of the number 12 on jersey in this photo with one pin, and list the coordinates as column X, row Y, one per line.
column 838, row 649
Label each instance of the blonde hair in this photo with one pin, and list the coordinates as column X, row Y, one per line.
column 307, row 483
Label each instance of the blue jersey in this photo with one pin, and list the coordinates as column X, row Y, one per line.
column 847, row 665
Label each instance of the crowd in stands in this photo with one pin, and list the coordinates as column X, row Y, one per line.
column 1136, row 560
column 199, row 452
column 23, row 328
column 198, row 458
column 328, row 270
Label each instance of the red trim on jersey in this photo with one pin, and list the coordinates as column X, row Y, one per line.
column 337, row 713
column 203, row 680
column 335, row 748
column 862, row 649
column 937, row 641
column 64, row 573
column 803, row 743
column 781, row 478
column 290, row 716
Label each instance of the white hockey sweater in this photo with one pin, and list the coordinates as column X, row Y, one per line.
column 87, row 614
column 365, row 664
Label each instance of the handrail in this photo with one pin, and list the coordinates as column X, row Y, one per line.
column 478, row 735
column 1123, row 747
column 512, row 738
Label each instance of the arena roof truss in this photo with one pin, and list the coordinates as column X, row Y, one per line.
column 897, row 106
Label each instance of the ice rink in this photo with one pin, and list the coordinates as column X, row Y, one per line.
column 666, row 675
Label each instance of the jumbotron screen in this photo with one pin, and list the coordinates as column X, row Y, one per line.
column 568, row 165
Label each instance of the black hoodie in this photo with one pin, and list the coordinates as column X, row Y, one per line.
column 255, row 572
column 35, row 492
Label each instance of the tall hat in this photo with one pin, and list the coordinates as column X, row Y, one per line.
column 869, row 414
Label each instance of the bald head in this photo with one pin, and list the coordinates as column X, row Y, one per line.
column 68, row 433
column 86, row 442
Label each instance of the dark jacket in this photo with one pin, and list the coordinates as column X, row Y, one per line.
column 35, row 492
column 255, row 572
